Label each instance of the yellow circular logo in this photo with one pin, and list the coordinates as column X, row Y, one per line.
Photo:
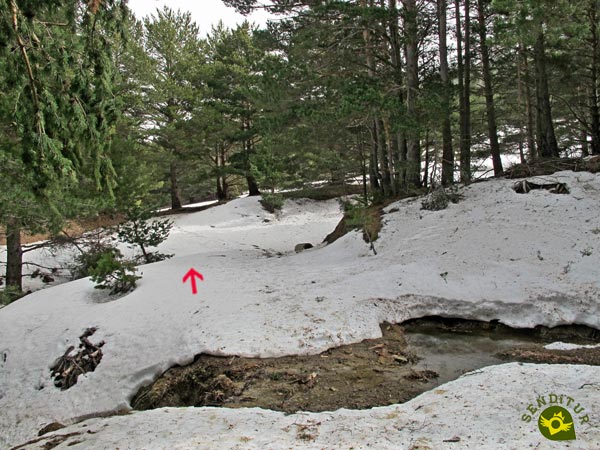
column 556, row 424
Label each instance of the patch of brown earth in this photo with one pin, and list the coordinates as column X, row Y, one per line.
column 371, row 373
column 538, row 354
column 375, row 372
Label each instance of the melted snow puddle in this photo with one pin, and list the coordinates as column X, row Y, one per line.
column 453, row 347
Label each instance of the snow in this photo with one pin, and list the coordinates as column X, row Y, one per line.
column 481, row 410
column 567, row 346
column 522, row 259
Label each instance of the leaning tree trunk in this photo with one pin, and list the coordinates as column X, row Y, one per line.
column 175, row 195
column 14, row 255
column 489, row 91
column 413, row 166
column 447, row 151
column 547, row 145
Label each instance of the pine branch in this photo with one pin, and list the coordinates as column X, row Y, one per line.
column 34, row 92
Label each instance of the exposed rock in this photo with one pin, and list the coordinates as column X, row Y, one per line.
column 301, row 247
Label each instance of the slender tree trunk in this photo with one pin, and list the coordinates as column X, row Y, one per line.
column 14, row 254
column 413, row 166
column 594, row 102
column 392, row 152
column 447, row 151
column 427, row 158
column 531, row 147
column 253, row 189
column 489, row 92
column 466, row 149
column 375, row 129
column 386, row 180
column 399, row 139
column 585, row 148
column 460, row 73
column 175, row 195
column 546, row 139
column 520, row 107
column 464, row 89
column 374, row 162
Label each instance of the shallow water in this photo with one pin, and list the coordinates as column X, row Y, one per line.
column 452, row 354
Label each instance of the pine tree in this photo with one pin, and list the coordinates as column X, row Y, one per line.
column 57, row 109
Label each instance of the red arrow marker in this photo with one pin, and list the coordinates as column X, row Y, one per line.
column 192, row 274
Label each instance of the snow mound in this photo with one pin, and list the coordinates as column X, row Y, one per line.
column 481, row 410
column 522, row 259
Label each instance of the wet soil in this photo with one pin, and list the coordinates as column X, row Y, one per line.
column 409, row 359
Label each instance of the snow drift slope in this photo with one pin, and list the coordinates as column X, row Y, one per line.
column 523, row 259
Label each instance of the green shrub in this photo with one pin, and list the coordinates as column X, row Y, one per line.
column 272, row 202
column 114, row 273
column 141, row 232
column 87, row 261
column 9, row 294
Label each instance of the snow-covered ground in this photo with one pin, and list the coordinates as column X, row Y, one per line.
column 523, row 259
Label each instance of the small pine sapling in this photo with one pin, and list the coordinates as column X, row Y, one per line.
column 112, row 272
column 141, row 232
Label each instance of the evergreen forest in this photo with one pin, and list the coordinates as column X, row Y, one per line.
column 100, row 111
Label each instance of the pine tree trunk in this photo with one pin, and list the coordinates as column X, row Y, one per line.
column 464, row 89
column 594, row 102
column 546, row 139
column 466, row 149
column 250, row 180
column 520, row 106
column 531, row 146
column 175, row 195
column 399, row 140
column 386, row 180
column 393, row 150
column 447, row 151
column 14, row 254
column 413, row 166
column 488, row 89
column 374, row 163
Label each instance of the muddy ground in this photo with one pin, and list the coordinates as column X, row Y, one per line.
column 374, row 372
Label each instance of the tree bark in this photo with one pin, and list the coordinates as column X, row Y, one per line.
column 253, row 189
column 413, row 166
column 466, row 149
column 488, row 90
column 520, row 106
column 447, row 151
column 14, row 254
column 399, row 140
column 175, row 195
column 464, row 88
column 531, row 147
column 222, row 186
column 546, row 139
column 594, row 102
column 386, row 180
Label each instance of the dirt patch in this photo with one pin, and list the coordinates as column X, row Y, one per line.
column 549, row 166
column 538, row 354
column 340, row 377
column 408, row 360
